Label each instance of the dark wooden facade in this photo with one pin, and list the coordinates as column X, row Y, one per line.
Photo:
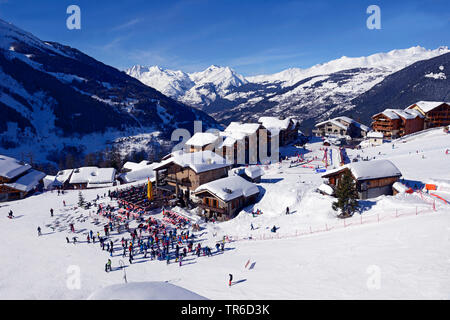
column 393, row 128
column 367, row 188
column 437, row 117
column 186, row 179
column 219, row 209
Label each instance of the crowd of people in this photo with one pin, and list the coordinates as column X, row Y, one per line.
column 170, row 239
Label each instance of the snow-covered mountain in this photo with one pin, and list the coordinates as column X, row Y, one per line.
column 54, row 98
column 198, row 89
column 390, row 62
column 310, row 94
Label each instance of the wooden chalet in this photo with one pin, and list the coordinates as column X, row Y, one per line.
column 222, row 199
column 437, row 114
column 286, row 129
column 394, row 123
column 373, row 178
column 182, row 172
column 17, row 179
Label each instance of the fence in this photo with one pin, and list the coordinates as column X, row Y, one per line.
column 346, row 223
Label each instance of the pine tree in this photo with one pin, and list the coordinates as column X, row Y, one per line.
column 347, row 196
column 81, row 201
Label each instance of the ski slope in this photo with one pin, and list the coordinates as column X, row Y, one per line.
column 404, row 257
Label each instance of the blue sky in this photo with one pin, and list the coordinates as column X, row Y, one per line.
column 251, row 36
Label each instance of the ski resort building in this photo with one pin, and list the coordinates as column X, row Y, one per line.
column 373, row 178
column 437, row 114
column 222, row 199
column 240, row 142
column 133, row 172
column 202, row 141
column 286, row 129
column 182, row 173
column 92, row 177
column 394, row 123
column 17, row 179
column 342, row 126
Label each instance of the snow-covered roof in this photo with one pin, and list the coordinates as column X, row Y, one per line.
column 229, row 188
column 394, row 114
column 245, row 128
column 152, row 290
column 375, row 134
column 27, row 182
column 354, row 122
column 254, row 171
column 11, row 168
column 201, row 139
column 230, row 138
column 50, row 181
column 63, row 175
column 198, row 161
column 93, row 175
column 364, row 170
column 141, row 173
column 427, row 106
column 275, row 125
column 333, row 122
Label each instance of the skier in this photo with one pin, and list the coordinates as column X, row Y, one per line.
column 231, row 279
column 251, row 226
column 51, row 212
column 217, row 246
column 88, row 239
column 10, row 214
column 67, row 239
column 39, row 231
column 74, row 240
column 108, row 265
column 287, row 210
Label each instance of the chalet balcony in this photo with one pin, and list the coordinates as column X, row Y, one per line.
column 182, row 182
column 218, row 210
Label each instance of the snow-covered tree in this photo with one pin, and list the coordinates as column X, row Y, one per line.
column 81, row 200
column 347, row 196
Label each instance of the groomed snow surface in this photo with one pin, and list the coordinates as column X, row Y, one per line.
column 394, row 254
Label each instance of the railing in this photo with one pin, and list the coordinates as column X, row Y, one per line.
column 182, row 182
column 219, row 210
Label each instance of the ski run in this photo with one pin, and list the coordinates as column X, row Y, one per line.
column 396, row 247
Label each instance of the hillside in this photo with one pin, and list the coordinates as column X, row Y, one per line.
column 55, row 98
column 407, row 247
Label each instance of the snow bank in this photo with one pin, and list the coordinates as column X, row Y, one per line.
column 152, row 290
column 230, row 188
column 254, row 172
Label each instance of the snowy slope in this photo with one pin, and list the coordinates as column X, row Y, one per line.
column 409, row 252
column 53, row 97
